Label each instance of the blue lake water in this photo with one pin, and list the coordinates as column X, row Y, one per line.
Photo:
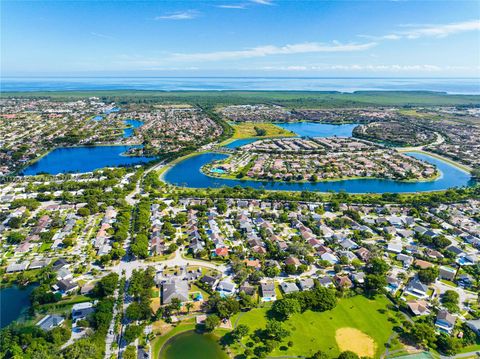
column 241, row 142
column 313, row 129
column 14, row 301
column 111, row 110
column 84, row 159
column 342, row 84
column 128, row 132
column 187, row 173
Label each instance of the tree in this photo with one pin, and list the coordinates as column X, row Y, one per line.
column 375, row 284
column 377, row 266
column 211, row 322
column 319, row 355
column 348, row 355
column 137, row 311
column 15, row 222
column 83, row 212
column 15, row 237
column 130, row 352
column 106, row 286
column 423, row 333
column 240, row 331
column 189, row 306
column 176, row 304
column 447, row 344
column 274, row 330
column 450, row 301
column 284, row 308
column 428, row 275
column 132, row 332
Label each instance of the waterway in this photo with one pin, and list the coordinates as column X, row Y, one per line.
column 187, row 174
column 192, row 345
column 14, row 302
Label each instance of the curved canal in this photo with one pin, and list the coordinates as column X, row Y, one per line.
column 187, row 174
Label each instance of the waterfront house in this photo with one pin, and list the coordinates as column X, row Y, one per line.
column 175, row 289
column 49, row 322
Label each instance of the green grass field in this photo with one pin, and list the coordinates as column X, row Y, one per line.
column 313, row 331
column 247, row 130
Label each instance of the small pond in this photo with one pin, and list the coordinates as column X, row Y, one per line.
column 192, row 345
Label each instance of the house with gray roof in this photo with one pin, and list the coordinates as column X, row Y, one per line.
column 49, row 322
column 445, row 322
column 306, row 283
column 289, row 287
column 416, row 288
column 268, row 292
column 175, row 289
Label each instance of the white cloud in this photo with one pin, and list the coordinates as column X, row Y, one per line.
column 441, row 30
column 263, row 2
column 233, row 6
column 103, row 36
column 429, row 30
column 425, row 68
column 268, row 50
column 181, row 15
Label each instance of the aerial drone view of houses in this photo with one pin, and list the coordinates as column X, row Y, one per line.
column 116, row 261
column 240, row 179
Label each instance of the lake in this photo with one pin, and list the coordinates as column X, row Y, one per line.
column 129, row 131
column 314, row 129
column 191, row 345
column 187, row 173
column 240, row 142
column 14, row 301
column 84, row 159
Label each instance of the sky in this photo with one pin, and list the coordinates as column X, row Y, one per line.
column 332, row 38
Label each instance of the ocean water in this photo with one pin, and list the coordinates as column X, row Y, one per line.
column 449, row 85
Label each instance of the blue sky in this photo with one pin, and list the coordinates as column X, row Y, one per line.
column 239, row 38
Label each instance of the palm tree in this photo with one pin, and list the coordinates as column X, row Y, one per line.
column 189, row 306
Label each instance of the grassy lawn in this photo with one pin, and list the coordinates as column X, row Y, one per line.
column 313, row 331
column 247, row 130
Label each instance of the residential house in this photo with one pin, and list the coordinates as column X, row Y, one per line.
column 289, row 287
column 268, row 292
column 445, row 322
column 49, row 322
column 175, row 289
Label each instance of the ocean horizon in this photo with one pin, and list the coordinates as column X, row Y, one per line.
column 464, row 86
